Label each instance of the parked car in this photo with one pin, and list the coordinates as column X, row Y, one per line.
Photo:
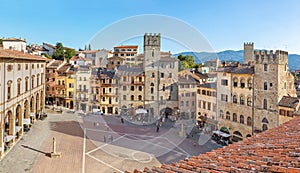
column 97, row 111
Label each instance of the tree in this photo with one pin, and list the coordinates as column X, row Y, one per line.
column 188, row 61
column 1, row 42
column 69, row 53
column 90, row 47
column 59, row 53
column 47, row 56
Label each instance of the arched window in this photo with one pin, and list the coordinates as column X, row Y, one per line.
column 26, row 83
column 32, row 81
column 58, row 82
column 235, row 82
column 9, row 89
column 249, row 122
column 234, row 117
column 265, row 127
column 242, row 100
column 227, row 115
column 265, row 86
column 242, row 83
column 164, row 87
column 152, row 84
column 242, row 119
column 132, row 97
column 152, row 90
column 153, row 75
column 284, row 85
column 249, row 83
column 19, row 86
column 63, row 82
column 38, row 79
column 234, row 99
column 140, row 97
column 249, row 101
column 265, row 104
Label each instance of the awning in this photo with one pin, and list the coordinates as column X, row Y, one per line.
column 17, row 129
column 221, row 133
column 141, row 111
column 9, row 138
column 26, row 121
column 32, row 114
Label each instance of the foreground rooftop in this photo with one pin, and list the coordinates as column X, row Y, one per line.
column 275, row 150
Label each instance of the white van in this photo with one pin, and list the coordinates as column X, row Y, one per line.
column 97, row 111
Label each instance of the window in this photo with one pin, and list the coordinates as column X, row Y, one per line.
column 281, row 112
column 249, row 101
column 203, row 92
column 9, row 90
column 249, row 83
column 242, row 83
column 224, row 97
column 242, row 100
column 164, row 87
column 170, row 75
column 152, row 90
column 235, row 82
column 204, row 105
column 19, row 67
column 199, row 104
column 227, row 115
column 284, row 85
column 140, row 88
column 242, row 119
column 265, row 104
column 19, row 86
column 32, row 82
column 187, row 103
column 265, row 86
column 221, row 114
column 182, row 103
column 26, row 83
column 38, row 79
column 140, row 79
column 265, row 67
column 124, row 97
column 132, row 97
column 140, row 97
column 290, row 113
column 234, row 117
column 32, row 66
column 26, row 66
column 124, row 78
column 271, row 85
column 10, row 67
column 249, row 122
column 193, row 103
column 234, row 99
column 132, row 88
column 153, row 75
column 208, row 106
column 162, row 75
column 224, row 82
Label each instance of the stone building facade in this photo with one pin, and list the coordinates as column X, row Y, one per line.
column 83, row 75
column 248, row 95
column 22, row 97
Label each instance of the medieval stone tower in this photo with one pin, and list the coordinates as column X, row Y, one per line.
column 151, row 69
column 248, row 52
column 272, row 81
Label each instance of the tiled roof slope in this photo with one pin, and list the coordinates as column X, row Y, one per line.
column 275, row 150
column 288, row 101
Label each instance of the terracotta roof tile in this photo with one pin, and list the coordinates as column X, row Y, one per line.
column 287, row 101
column 275, row 150
column 7, row 53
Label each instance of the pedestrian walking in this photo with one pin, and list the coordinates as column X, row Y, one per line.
column 157, row 129
column 122, row 120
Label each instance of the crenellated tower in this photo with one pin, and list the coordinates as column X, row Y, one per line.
column 248, row 52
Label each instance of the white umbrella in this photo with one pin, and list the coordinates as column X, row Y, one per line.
column 140, row 111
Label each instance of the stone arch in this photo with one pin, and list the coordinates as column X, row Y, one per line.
column 166, row 111
column 37, row 103
column 265, row 120
column 19, row 120
column 237, row 136
column 264, row 127
column 26, row 109
column 234, row 98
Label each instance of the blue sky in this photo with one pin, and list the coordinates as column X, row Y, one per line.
column 270, row 24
